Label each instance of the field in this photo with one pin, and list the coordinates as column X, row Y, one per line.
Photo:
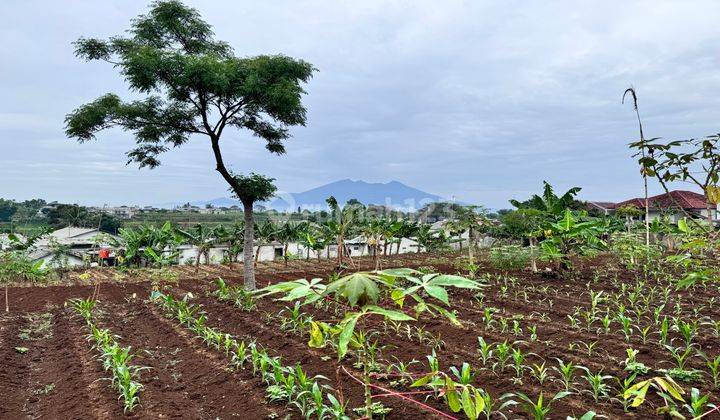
column 590, row 318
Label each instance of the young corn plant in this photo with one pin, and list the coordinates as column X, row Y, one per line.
column 597, row 381
column 535, row 409
column 698, row 404
column 541, row 373
column 624, row 396
column 115, row 358
column 713, row 366
column 567, row 373
column 289, row 384
column 485, row 350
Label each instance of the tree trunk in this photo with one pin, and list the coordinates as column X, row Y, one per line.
column 248, row 272
column 285, row 256
column 340, row 251
column 710, row 214
column 471, row 245
column 533, row 259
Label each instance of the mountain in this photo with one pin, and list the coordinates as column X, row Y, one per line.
column 394, row 194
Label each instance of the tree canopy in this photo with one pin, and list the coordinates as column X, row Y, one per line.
column 194, row 85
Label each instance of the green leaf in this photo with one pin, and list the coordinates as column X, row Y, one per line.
column 683, row 226
column 454, row 281
column 467, row 404
column 479, row 402
column 357, row 287
column 398, row 297
column 590, row 415
column 348, row 326
column 451, row 395
column 423, row 380
column 393, row 315
column 438, row 293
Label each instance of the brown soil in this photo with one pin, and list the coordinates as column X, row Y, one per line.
column 58, row 377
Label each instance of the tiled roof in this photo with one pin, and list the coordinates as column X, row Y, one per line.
column 686, row 199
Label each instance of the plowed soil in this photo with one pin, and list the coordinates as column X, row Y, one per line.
column 49, row 370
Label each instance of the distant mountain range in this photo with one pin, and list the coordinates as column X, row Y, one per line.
column 393, row 194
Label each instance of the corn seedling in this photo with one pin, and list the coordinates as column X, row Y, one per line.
column 597, row 382
column 567, row 373
column 536, row 409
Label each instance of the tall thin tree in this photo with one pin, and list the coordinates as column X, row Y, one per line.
column 633, row 94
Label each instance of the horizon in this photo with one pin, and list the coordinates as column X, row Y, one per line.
column 451, row 99
column 319, row 206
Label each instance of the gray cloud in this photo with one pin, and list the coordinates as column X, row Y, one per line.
column 479, row 100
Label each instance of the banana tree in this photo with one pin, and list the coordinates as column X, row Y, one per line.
column 148, row 244
column 470, row 219
column 312, row 238
column 569, row 236
column 233, row 236
column 202, row 238
column 286, row 233
column 373, row 230
column 406, row 229
column 264, row 234
column 340, row 224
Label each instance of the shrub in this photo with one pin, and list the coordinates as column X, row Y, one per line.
column 17, row 266
column 509, row 257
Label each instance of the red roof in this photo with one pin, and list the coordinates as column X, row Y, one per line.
column 686, row 199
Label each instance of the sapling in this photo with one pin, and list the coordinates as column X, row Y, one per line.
column 714, row 366
column 536, row 409
column 606, row 321
column 698, row 404
column 540, row 372
column 502, row 354
column 664, row 329
column 485, row 350
column 567, row 372
column 465, row 375
column 625, row 396
column 518, row 360
column 679, row 355
column 598, row 387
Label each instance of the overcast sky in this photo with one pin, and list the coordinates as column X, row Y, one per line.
column 474, row 99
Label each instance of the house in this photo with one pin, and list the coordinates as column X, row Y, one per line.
column 76, row 237
column 81, row 243
column 68, row 259
column 665, row 205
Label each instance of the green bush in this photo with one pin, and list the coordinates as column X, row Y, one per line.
column 16, row 266
column 510, row 257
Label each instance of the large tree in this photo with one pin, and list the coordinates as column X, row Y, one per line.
column 192, row 85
